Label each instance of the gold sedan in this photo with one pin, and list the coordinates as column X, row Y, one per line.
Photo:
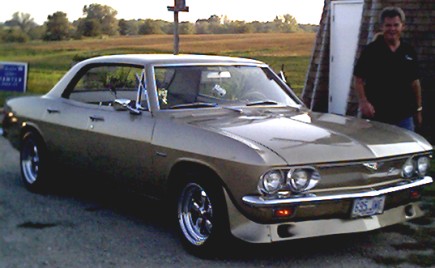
column 226, row 142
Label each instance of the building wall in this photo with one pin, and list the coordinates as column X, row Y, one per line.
column 315, row 93
column 419, row 31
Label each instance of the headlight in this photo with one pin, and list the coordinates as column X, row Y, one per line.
column 418, row 165
column 296, row 180
column 423, row 164
column 408, row 168
column 271, row 182
column 302, row 179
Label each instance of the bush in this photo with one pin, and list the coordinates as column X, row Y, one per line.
column 15, row 35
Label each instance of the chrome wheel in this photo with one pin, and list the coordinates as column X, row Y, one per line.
column 30, row 160
column 195, row 214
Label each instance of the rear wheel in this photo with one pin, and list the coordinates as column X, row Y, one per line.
column 202, row 219
column 33, row 162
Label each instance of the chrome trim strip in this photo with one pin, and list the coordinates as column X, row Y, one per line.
column 210, row 63
column 259, row 201
column 379, row 160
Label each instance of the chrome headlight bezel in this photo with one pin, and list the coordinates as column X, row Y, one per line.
column 408, row 169
column 302, row 179
column 296, row 180
column 416, row 166
column 271, row 182
column 423, row 165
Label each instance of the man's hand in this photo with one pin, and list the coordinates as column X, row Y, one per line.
column 367, row 109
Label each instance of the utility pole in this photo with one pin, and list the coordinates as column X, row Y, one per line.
column 179, row 6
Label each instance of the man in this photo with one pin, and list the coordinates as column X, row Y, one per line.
column 386, row 76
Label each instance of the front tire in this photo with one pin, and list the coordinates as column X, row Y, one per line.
column 33, row 162
column 202, row 216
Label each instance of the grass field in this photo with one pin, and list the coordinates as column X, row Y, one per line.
column 48, row 61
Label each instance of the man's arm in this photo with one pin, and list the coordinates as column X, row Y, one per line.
column 416, row 88
column 365, row 106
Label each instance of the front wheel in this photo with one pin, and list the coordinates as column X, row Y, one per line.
column 33, row 158
column 202, row 219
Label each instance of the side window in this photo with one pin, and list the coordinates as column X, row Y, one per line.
column 101, row 85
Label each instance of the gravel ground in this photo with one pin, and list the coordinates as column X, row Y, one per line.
column 90, row 224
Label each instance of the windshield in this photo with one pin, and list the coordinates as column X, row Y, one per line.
column 210, row 86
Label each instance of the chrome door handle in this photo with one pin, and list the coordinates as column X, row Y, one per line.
column 96, row 118
column 52, row 111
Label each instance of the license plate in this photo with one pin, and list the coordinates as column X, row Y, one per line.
column 363, row 207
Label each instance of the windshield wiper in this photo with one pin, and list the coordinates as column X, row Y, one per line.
column 265, row 102
column 193, row 105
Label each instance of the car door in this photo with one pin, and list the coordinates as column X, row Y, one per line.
column 65, row 130
column 117, row 141
column 120, row 145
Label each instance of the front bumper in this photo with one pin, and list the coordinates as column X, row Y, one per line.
column 258, row 232
column 259, row 201
column 252, row 232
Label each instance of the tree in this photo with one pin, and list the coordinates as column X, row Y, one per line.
column 151, row 27
column 286, row 24
column 214, row 25
column 37, row 33
column 57, row 27
column 186, row 27
column 15, row 34
column 88, row 27
column 128, row 27
column 19, row 27
column 104, row 15
column 22, row 20
column 201, row 26
column 2, row 32
column 239, row 27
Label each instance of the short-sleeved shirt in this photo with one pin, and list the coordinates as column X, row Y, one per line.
column 388, row 77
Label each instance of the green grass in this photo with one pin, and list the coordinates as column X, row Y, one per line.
column 295, row 68
column 44, row 72
column 49, row 61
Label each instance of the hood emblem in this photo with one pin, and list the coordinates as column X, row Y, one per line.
column 374, row 166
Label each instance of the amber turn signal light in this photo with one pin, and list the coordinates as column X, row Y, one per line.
column 415, row 194
column 283, row 212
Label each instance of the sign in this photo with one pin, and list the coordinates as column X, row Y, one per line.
column 13, row 76
column 179, row 5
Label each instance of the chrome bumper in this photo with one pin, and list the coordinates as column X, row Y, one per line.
column 260, row 201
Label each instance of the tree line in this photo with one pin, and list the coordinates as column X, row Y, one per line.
column 100, row 20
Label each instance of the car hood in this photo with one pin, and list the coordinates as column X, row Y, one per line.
column 307, row 137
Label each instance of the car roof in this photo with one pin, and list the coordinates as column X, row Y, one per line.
column 157, row 59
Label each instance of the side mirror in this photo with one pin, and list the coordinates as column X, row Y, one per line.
column 126, row 104
column 282, row 75
column 121, row 104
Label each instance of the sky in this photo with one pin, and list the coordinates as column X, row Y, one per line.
column 305, row 11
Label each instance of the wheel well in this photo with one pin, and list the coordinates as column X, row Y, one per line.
column 184, row 168
column 27, row 129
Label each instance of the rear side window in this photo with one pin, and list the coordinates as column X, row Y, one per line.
column 101, row 85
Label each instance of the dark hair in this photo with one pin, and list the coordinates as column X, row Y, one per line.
column 391, row 12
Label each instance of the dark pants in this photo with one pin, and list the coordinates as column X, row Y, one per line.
column 407, row 123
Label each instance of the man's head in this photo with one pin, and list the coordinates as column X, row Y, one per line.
column 392, row 22
column 391, row 12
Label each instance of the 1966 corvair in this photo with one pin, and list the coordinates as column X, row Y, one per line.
column 226, row 142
